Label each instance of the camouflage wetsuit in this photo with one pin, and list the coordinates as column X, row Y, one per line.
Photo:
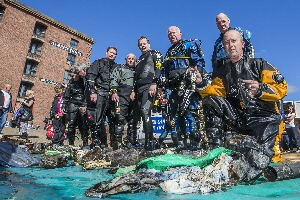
column 122, row 84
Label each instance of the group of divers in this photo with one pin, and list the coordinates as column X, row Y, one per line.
column 237, row 106
column 127, row 95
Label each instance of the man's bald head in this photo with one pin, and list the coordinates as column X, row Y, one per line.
column 130, row 60
column 223, row 22
column 174, row 34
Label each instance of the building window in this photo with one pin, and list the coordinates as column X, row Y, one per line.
column 2, row 11
column 71, row 59
column 40, row 29
column 24, row 86
column 30, row 68
column 36, row 47
column 74, row 44
column 67, row 77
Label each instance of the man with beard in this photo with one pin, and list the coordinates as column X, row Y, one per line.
column 147, row 73
column 98, row 83
column 121, row 90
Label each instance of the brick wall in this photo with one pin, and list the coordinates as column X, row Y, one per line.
column 16, row 33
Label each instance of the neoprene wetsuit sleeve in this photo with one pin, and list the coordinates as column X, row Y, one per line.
column 91, row 76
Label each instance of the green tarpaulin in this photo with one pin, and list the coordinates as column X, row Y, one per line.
column 174, row 160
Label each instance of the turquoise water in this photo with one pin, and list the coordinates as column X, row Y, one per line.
column 71, row 183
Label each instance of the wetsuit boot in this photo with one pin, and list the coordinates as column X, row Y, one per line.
column 131, row 139
column 182, row 135
column 118, row 137
column 159, row 142
column 71, row 135
column 103, row 136
column 95, row 139
column 214, row 130
column 85, row 140
column 174, row 137
column 134, row 140
column 148, row 128
column 178, row 142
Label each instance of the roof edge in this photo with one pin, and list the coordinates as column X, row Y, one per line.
column 50, row 20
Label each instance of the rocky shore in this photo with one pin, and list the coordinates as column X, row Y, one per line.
column 38, row 136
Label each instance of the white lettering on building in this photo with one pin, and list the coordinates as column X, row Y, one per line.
column 69, row 49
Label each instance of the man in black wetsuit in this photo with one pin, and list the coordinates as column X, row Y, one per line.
column 244, row 95
column 147, row 73
column 98, row 83
column 74, row 105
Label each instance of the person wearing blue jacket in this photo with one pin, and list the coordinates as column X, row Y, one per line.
column 220, row 56
column 184, row 101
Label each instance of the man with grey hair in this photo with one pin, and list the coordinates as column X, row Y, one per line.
column 220, row 57
column 74, row 104
column 7, row 107
column 80, row 69
column 183, row 99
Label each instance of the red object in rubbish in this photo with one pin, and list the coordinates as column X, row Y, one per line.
column 30, row 146
column 50, row 131
column 162, row 100
column 90, row 117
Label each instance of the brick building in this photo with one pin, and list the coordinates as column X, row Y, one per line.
column 36, row 50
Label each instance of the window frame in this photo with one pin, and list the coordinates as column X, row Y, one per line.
column 26, row 86
column 2, row 11
column 71, row 59
column 42, row 28
column 74, row 44
column 31, row 68
column 36, row 47
column 67, row 77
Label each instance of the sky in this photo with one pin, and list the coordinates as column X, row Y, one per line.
column 272, row 23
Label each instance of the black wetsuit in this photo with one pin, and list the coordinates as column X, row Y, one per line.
column 148, row 70
column 98, row 81
column 74, row 100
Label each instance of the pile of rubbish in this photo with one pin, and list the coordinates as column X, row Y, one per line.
column 12, row 155
column 174, row 173
column 137, row 170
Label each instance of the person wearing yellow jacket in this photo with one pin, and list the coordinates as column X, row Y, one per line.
column 244, row 96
